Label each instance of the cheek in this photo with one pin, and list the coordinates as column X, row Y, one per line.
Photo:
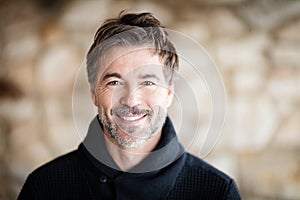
column 104, row 100
column 157, row 98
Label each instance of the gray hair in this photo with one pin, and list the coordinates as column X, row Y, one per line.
column 132, row 30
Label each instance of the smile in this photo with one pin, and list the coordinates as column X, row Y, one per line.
column 132, row 118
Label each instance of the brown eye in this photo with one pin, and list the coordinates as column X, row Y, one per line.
column 148, row 83
column 114, row 83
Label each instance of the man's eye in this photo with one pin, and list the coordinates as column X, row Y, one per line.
column 112, row 83
column 148, row 83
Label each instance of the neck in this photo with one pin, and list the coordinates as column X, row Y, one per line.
column 128, row 157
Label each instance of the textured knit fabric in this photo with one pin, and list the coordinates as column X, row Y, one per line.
column 79, row 175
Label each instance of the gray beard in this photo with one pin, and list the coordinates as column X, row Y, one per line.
column 157, row 121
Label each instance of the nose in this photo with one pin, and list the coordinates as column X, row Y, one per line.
column 131, row 97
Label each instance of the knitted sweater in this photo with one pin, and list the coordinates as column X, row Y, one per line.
column 81, row 175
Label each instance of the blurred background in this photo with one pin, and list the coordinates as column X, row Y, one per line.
column 254, row 43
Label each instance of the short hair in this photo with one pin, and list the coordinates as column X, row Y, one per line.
column 129, row 30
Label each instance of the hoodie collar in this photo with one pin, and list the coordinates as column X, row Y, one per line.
column 167, row 151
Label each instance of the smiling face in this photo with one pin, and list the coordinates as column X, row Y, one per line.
column 132, row 96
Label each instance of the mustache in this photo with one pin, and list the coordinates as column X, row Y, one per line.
column 126, row 110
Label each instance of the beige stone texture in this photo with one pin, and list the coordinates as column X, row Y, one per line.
column 254, row 44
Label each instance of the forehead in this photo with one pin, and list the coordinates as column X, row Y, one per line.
column 131, row 61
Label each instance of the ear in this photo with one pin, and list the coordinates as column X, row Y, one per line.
column 170, row 96
column 93, row 94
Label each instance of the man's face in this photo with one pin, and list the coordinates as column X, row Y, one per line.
column 132, row 96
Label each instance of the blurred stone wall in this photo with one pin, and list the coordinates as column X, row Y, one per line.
column 255, row 44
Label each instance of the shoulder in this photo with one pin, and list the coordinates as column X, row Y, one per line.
column 200, row 180
column 61, row 163
column 65, row 168
column 199, row 166
column 61, row 177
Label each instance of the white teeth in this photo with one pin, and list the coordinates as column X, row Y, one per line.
column 131, row 118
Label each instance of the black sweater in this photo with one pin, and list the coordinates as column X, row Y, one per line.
column 80, row 175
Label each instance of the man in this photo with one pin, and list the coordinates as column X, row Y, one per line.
column 131, row 150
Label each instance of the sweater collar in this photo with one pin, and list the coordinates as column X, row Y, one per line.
column 167, row 151
column 156, row 174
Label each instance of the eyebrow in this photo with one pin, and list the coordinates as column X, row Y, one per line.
column 146, row 76
column 107, row 76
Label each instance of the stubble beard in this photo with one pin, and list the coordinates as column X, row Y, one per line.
column 128, row 140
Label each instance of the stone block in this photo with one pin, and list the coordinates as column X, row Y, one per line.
column 23, row 75
column 251, row 122
column 19, row 111
column 283, row 85
column 285, row 54
column 161, row 11
column 22, row 43
column 288, row 135
column 60, row 135
column 26, row 159
column 247, row 52
column 289, row 32
column 82, row 16
column 196, row 30
column 270, row 174
column 224, row 23
column 248, row 81
column 56, row 69
column 268, row 14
